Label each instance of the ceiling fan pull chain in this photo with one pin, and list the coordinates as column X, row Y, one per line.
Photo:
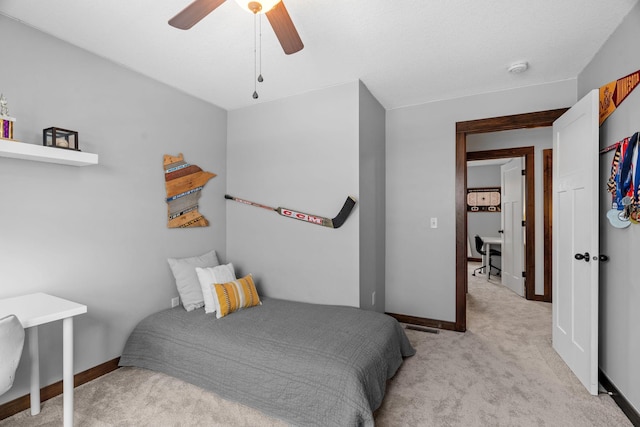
column 255, row 42
column 260, row 79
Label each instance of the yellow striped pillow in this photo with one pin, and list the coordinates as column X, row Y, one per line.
column 233, row 296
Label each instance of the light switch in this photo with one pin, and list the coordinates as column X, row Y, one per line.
column 434, row 222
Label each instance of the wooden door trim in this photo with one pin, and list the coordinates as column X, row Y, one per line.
column 530, row 205
column 496, row 124
column 547, row 182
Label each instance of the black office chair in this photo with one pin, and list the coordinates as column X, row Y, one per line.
column 492, row 253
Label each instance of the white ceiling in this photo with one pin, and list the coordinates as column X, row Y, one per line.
column 406, row 52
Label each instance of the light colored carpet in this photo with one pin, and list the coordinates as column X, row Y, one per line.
column 501, row 372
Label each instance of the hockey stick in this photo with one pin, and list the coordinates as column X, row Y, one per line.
column 314, row 219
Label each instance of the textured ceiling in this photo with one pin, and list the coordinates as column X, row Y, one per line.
column 405, row 51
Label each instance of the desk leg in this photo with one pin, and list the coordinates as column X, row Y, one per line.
column 485, row 258
column 67, row 371
column 488, row 261
column 34, row 357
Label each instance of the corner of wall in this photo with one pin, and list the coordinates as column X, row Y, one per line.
column 372, row 130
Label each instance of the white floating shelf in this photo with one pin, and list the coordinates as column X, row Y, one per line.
column 40, row 153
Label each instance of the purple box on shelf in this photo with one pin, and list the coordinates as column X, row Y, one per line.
column 6, row 127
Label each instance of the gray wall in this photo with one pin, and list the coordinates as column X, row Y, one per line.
column 97, row 234
column 300, row 153
column 540, row 139
column 420, row 268
column 372, row 200
column 483, row 223
column 619, row 283
column 308, row 153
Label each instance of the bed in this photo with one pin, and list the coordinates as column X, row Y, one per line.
column 307, row 364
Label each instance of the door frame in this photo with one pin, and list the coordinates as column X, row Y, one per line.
column 529, row 201
column 495, row 124
column 547, row 182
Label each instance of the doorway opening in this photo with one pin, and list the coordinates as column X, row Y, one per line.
column 497, row 124
column 509, row 173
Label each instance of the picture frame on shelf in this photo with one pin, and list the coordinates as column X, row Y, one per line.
column 60, row 138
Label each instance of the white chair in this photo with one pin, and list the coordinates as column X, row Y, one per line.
column 11, row 343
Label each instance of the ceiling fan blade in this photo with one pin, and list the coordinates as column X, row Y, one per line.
column 285, row 30
column 193, row 13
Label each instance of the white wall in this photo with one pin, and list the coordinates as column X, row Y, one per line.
column 97, row 234
column 483, row 223
column 540, row 139
column 619, row 283
column 300, row 153
column 420, row 269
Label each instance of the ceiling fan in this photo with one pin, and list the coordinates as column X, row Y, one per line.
column 274, row 9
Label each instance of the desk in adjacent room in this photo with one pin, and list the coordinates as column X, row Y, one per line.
column 488, row 243
column 37, row 309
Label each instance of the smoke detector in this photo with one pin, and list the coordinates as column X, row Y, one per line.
column 518, row 67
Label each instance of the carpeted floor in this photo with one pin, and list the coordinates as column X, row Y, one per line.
column 501, row 372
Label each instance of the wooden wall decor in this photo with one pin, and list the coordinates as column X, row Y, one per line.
column 483, row 200
column 184, row 183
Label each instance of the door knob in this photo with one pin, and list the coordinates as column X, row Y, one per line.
column 584, row 256
column 603, row 258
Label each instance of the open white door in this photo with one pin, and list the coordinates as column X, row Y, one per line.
column 512, row 230
column 575, row 239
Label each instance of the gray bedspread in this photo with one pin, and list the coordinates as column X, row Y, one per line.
column 307, row 364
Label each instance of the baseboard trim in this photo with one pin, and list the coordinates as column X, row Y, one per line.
column 22, row 403
column 620, row 400
column 440, row 324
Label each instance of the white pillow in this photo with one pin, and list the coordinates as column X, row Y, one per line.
column 186, row 279
column 209, row 276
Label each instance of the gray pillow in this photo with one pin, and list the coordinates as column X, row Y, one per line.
column 184, row 271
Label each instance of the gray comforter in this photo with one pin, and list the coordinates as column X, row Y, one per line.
column 307, row 364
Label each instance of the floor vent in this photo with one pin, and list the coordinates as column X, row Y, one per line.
column 423, row 329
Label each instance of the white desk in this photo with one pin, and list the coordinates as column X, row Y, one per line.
column 37, row 309
column 488, row 242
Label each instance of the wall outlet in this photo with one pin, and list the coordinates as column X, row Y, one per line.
column 175, row 301
column 434, row 222
column 373, row 298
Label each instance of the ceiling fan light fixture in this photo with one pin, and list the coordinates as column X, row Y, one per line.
column 256, row 7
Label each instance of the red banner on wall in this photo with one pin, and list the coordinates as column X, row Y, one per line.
column 612, row 94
